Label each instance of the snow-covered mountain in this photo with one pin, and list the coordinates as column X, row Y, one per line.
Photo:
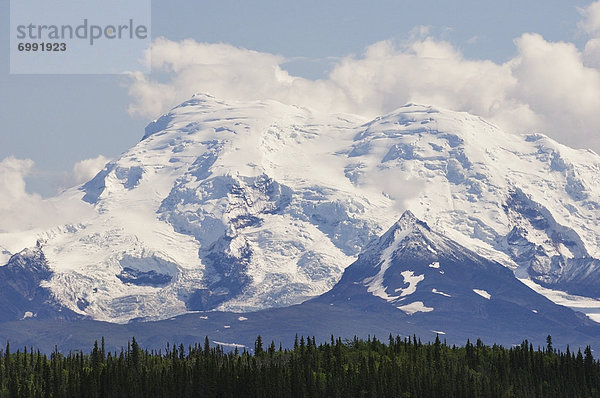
column 410, row 281
column 21, row 295
column 446, row 288
column 249, row 205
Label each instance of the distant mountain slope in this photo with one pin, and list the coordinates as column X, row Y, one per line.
column 446, row 288
column 21, row 296
column 248, row 205
column 410, row 281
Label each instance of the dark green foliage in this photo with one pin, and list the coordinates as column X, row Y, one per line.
column 402, row 367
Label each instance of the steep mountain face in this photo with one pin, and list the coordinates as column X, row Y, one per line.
column 248, row 205
column 448, row 289
column 525, row 201
column 21, row 295
column 226, row 206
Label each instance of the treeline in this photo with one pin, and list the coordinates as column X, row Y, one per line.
column 402, row 367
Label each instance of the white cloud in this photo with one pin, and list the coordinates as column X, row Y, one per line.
column 221, row 69
column 23, row 211
column 590, row 26
column 12, row 180
column 549, row 87
column 559, row 89
column 591, row 53
column 382, row 79
column 400, row 188
column 19, row 210
column 85, row 170
column 424, row 71
column 590, row 23
column 474, row 40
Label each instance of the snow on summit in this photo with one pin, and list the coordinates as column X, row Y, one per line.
column 246, row 205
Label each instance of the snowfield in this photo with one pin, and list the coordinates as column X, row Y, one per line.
column 240, row 206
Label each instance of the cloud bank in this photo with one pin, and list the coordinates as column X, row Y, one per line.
column 549, row 87
column 19, row 209
column 12, row 181
column 22, row 211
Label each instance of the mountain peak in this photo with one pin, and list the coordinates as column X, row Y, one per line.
column 428, row 280
column 203, row 95
column 408, row 216
column 242, row 205
column 408, row 221
column 411, row 236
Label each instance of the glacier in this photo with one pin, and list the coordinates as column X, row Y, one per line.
column 242, row 206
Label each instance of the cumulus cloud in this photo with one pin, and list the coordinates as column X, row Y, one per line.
column 383, row 78
column 591, row 53
column 23, row 211
column 85, row 170
column 19, row 210
column 221, row 69
column 12, row 180
column 590, row 23
column 400, row 188
column 559, row 89
column 549, row 87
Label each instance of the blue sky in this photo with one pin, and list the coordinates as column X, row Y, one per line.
column 52, row 122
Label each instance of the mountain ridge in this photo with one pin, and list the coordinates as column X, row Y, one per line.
column 239, row 206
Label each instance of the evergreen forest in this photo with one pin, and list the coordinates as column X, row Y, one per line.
column 398, row 367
